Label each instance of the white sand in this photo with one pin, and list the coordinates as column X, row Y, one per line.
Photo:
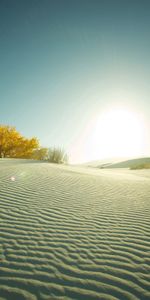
column 73, row 233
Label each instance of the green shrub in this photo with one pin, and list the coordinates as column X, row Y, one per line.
column 57, row 155
column 140, row 166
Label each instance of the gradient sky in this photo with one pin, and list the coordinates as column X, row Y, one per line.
column 62, row 62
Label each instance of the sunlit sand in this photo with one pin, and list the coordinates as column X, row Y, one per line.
column 73, row 233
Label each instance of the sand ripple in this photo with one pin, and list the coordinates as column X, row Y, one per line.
column 71, row 234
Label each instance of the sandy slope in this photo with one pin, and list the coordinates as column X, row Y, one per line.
column 73, row 233
column 118, row 163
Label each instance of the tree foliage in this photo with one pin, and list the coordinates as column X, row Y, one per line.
column 14, row 145
column 40, row 154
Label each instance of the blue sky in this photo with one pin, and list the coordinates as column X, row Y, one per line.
column 62, row 62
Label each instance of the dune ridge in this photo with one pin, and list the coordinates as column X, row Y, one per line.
column 118, row 163
column 70, row 234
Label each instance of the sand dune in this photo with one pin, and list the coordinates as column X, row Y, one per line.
column 73, row 233
column 130, row 163
column 118, row 163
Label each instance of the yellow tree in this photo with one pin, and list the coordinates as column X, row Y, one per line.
column 25, row 148
column 40, row 154
column 8, row 140
column 12, row 144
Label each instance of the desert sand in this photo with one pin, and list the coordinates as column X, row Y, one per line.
column 73, row 232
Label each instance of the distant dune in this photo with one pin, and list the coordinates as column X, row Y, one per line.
column 118, row 163
column 73, row 233
column 130, row 163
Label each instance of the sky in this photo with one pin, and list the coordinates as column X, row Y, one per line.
column 64, row 62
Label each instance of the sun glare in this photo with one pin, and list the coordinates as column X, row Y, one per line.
column 115, row 133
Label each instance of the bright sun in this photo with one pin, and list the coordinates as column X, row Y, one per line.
column 115, row 133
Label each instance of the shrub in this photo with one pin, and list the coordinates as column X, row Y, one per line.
column 140, row 166
column 57, row 155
